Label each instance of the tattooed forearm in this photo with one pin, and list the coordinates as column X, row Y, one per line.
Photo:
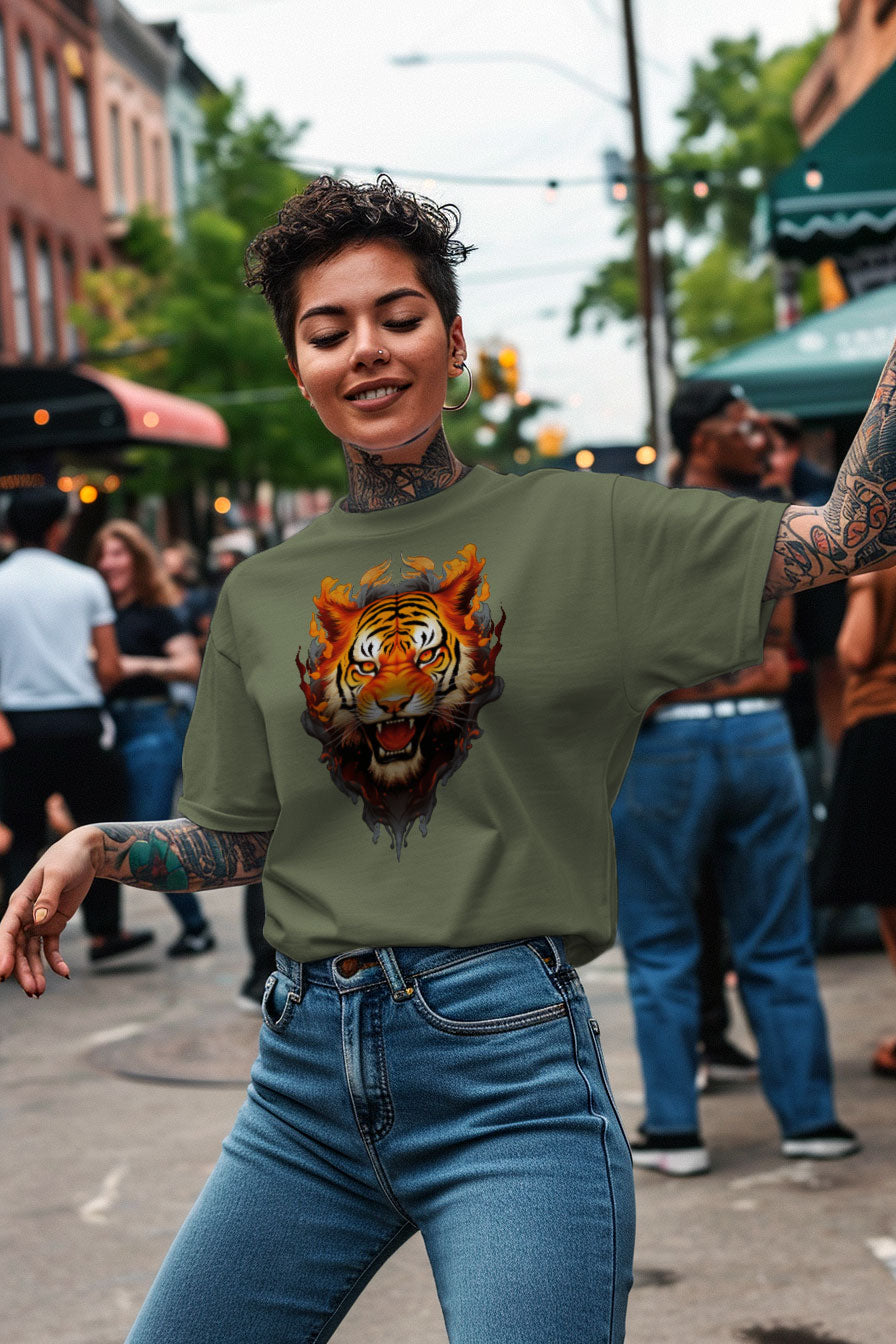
column 373, row 484
column 857, row 526
column 181, row 856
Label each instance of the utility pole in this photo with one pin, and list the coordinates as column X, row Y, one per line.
column 651, row 288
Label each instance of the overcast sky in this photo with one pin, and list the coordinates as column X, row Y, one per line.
column 329, row 63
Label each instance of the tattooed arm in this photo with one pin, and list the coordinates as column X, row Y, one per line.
column 180, row 856
column 162, row 855
column 856, row 529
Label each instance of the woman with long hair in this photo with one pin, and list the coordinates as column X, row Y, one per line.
column 412, row 719
column 156, row 650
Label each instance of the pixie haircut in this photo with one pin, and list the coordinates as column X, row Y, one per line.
column 332, row 213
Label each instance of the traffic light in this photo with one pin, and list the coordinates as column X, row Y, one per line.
column 618, row 174
column 509, row 364
column 549, row 440
column 487, row 379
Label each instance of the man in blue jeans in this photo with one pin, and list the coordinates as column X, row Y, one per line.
column 714, row 771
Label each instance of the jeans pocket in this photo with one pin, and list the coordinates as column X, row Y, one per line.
column 505, row 989
column 278, row 1002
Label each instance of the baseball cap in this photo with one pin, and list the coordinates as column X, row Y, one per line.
column 697, row 401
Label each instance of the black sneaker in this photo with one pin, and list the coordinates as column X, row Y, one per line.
column 118, row 944
column 672, row 1154
column 827, row 1143
column 193, row 942
column 724, row 1062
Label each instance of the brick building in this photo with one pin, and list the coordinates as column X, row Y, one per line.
column 51, row 217
column 862, row 48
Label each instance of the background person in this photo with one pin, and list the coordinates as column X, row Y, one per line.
column 57, row 653
column 428, row 1059
column 156, row 650
column 714, row 776
column 854, row 862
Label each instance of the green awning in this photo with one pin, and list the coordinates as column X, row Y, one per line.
column 825, row 366
column 854, row 164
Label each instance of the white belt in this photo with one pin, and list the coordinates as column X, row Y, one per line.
column 717, row 709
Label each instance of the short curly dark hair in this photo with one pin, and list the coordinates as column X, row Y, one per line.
column 331, row 213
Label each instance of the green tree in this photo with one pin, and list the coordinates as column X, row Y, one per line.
column 737, row 133
column 207, row 335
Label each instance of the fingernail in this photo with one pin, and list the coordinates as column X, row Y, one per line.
column 40, row 916
column 66, row 976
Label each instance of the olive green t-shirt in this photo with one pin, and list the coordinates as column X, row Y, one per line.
column 432, row 706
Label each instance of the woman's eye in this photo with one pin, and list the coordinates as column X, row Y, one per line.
column 323, row 341
column 403, row 323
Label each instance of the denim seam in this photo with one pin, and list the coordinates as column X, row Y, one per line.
column 594, row 1027
column 488, row 1026
column 367, row 1142
column 475, row 956
column 384, row 1096
column 613, row 1234
column 366, row 1273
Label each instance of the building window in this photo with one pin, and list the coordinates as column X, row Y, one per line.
column 21, row 307
column 117, row 163
column 71, row 344
column 54, row 111
column 46, row 301
column 158, row 169
column 81, row 139
column 139, row 171
column 28, row 95
column 4, row 82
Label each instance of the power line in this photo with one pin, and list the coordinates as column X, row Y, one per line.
column 315, row 165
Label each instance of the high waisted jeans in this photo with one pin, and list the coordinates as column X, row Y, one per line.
column 460, row 1092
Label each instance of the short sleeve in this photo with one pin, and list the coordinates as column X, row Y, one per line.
column 101, row 610
column 690, row 570
column 228, row 782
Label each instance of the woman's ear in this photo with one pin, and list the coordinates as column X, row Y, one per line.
column 457, row 345
column 294, row 370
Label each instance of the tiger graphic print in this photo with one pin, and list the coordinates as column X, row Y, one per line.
column 394, row 680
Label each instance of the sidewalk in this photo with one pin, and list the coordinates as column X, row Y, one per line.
column 101, row 1165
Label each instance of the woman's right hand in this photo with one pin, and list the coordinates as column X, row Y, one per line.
column 41, row 907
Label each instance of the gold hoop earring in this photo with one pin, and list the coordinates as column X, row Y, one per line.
column 461, row 404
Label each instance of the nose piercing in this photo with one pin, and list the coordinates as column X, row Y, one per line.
column 381, row 352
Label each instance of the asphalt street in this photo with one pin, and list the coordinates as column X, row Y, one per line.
column 117, row 1088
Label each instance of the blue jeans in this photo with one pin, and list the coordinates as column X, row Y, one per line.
column 732, row 788
column 151, row 751
column 458, row 1091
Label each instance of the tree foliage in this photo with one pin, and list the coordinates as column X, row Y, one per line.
column 736, row 132
column 205, row 334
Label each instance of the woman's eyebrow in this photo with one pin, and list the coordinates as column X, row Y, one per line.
column 335, row 309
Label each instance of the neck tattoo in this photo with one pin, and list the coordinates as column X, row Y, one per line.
column 373, row 484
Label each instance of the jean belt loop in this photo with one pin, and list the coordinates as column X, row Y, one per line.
column 556, row 946
column 400, row 990
column 299, row 982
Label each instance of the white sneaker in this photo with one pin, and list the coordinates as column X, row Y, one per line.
column 672, row 1154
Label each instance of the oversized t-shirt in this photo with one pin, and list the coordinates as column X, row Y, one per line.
column 432, row 706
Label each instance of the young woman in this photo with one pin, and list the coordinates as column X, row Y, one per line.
column 156, row 650
column 413, row 716
column 854, row 860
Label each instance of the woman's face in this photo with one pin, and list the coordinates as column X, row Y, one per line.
column 116, row 564
column 372, row 353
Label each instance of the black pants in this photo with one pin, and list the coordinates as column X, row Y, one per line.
column 58, row 750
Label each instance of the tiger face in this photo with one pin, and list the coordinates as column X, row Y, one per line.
column 394, row 683
column 404, row 665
